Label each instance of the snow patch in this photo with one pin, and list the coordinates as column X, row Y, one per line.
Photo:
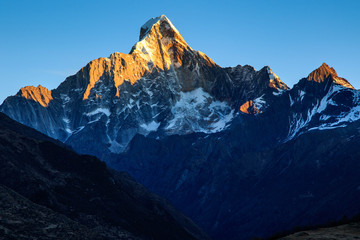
column 197, row 111
column 150, row 127
column 278, row 92
column 66, row 120
column 151, row 22
column 301, row 95
column 259, row 102
column 299, row 122
column 105, row 111
column 291, row 101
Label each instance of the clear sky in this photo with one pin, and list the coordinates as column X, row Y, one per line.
column 42, row 42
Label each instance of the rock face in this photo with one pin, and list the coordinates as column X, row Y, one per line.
column 81, row 188
column 234, row 148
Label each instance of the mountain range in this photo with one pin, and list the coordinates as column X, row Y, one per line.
column 235, row 149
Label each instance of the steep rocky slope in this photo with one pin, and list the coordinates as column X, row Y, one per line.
column 239, row 186
column 83, row 189
column 22, row 219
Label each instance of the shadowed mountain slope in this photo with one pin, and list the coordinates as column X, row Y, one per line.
column 83, row 189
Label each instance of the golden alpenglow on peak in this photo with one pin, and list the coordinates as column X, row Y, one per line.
column 323, row 72
column 160, row 48
column 39, row 94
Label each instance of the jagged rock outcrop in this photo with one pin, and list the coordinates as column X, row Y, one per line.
column 38, row 94
column 324, row 72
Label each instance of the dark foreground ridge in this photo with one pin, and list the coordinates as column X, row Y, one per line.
column 350, row 231
column 22, row 219
column 52, row 192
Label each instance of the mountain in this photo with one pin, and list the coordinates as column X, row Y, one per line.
column 235, row 149
column 48, row 191
column 162, row 86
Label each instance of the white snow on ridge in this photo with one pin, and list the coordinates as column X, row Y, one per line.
column 197, row 111
column 351, row 116
column 151, row 22
column 66, row 120
column 221, row 124
column 259, row 102
column 301, row 95
column 299, row 122
column 105, row 111
column 291, row 101
column 272, row 75
column 150, row 127
column 278, row 92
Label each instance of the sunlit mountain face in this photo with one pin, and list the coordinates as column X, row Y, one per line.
column 234, row 148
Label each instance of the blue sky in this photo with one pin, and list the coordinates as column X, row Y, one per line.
column 42, row 42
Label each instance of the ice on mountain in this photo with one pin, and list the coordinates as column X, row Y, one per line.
column 259, row 102
column 193, row 108
column 291, row 101
column 221, row 124
column 300, row 124
column 150, row 127
column 148, row 25
column 278, row 92
column 301, row 95
column 66, row 120
column 105, row 111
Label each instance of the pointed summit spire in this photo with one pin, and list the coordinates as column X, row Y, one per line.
column 161, row 43
column 274, row 80
column 322, row 73
column 146, row 28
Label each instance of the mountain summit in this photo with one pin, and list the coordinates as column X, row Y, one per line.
column 324, row 72
column 167, row 29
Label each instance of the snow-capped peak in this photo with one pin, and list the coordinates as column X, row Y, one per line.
column 160, row 44
column 272, row 75
column 274, row 81
column 146, row 28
